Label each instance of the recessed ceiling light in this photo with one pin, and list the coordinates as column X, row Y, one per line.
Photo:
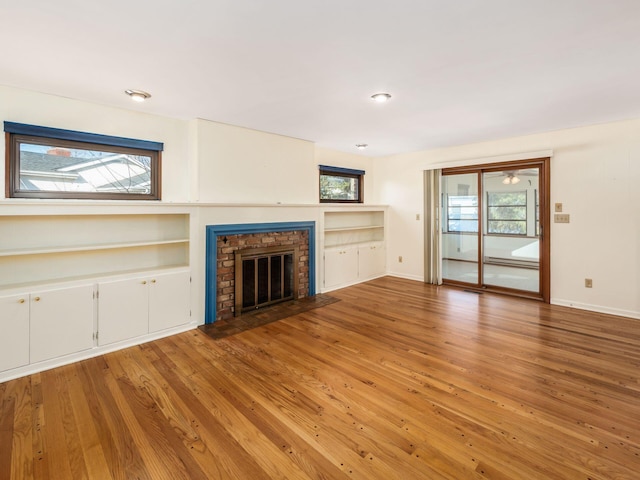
column 381, row 97
column 138, row 95
column 362, row 146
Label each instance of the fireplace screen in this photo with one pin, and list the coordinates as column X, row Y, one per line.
column 264, row 276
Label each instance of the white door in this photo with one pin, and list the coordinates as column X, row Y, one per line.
column 340, row 266
column 169, row 300
column 61, row 322
column 123, row 310
column 14, row 331
column 371, row 261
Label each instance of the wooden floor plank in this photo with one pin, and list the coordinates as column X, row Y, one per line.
column 390, row 379
column 7, row 416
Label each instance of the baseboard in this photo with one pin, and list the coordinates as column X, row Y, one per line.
column 596, row 308
column 406, row 277
column 345, row 285
column 90, row 353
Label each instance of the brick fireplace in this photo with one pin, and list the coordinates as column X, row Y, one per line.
column 223, row 241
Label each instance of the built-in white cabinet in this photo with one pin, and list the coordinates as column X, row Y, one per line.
column 61, row 321
column 169, row 301
column 133, row 307
column 44, row 324
column 89, row 281
column 371, row 260
column 122, row 310
column 14, row 331
column 340, row 266
column 353, row 247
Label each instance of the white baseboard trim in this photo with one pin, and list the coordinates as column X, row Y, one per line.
column 345, row 285
column 596, row 308
column 406, row 277
column 90, row 353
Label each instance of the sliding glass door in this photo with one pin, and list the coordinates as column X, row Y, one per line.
column 461, row 217
column 511, row 231
column 494, row 221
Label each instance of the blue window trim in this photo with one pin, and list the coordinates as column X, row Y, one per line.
column 340, row 170
column 211, row 267
column 60, row 134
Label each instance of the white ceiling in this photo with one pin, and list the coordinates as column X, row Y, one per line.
column 460, row 71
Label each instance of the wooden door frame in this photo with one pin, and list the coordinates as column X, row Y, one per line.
column 544, row 196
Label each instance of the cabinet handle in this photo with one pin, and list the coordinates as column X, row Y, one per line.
column 21, row 300
column 153, row 281
column 37, row 299
column 144, row 282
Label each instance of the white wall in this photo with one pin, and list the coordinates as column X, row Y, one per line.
column 32, row 108
column 595, row 174
column 239, row 165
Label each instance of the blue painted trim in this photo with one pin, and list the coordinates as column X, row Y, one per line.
column 348, row 171
column 211, row 267
column 58, row 133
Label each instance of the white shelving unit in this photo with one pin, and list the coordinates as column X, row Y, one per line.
column 45, row 248
column 56, row 268
column 354, row 247
column 353, row 228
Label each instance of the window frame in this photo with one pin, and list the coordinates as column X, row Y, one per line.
column 358, row 175
column 17, row 134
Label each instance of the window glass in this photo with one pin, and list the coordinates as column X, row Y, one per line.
column 50, row 167
column 507, row 213
column 340, row 185
column 462, row 213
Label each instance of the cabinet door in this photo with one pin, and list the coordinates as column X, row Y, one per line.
column 169, row 300
column 371, row 261
column 340, row 266
column 14, row 331
column 61, row 322
column 123, row 310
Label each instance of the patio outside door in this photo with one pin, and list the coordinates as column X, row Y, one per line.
column 494, row 222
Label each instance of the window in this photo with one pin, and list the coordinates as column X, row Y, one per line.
column 462, row 213
column 507, row 213
column 47, row 162
column 340, row 185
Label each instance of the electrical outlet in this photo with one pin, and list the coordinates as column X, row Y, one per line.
column 561, row 218
column 558, row 207
column 417, row 216
column 588, row 283
column 400, row 259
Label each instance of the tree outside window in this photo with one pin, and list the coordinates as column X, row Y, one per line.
column 507, row 213
column 340, row 185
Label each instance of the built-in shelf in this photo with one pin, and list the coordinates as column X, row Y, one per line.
column 354, row 248
column 86, row 248
column 347, row 229
column 353, row 244
column 343, row 228
column 40, row 249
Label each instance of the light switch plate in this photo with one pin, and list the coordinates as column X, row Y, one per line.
column 558, row 207
column 561, row 218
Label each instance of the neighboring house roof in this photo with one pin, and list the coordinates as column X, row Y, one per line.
column 109, row 173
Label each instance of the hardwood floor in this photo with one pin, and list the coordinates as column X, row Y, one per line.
column 397, row 380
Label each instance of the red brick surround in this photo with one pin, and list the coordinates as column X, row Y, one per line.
column 225, row 283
